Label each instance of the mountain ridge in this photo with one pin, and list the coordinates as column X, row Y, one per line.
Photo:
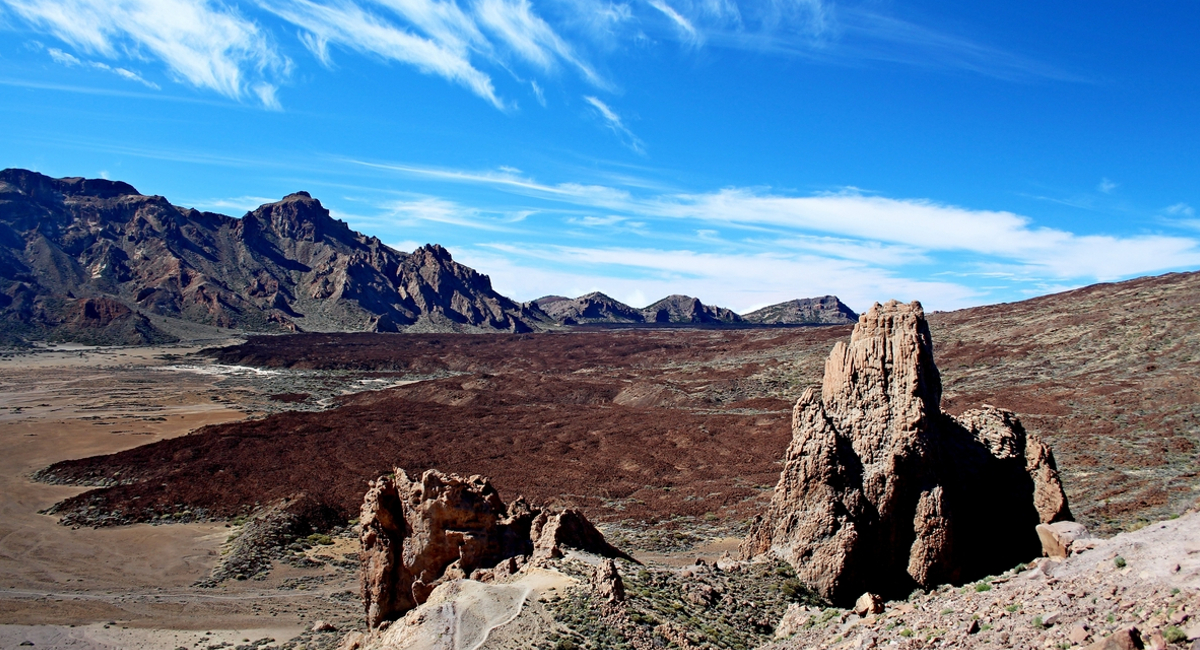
column 285, row 266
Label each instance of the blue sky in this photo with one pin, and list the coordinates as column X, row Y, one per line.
column 742, row 152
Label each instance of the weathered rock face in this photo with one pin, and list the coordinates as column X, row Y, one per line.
column 883, row 492
column 826, row 310
column 594, row 307
column 686, row 309
column 287, row 265
column 419, row 534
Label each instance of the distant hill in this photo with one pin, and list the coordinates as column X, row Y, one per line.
column 594, row 307
column 97, row 261
column 598, row 308
column 686, row 309
column 826, row 310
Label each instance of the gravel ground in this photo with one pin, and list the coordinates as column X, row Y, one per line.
column 1147, row 579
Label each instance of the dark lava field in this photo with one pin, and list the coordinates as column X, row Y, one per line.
column 677, row 429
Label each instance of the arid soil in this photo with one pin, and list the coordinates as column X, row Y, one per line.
column 1145, row 580
column 134, row 586
column 674, row 436
column 1108, row 375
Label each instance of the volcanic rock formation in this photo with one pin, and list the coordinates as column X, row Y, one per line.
column 826, row 310
column 594, row 307
column 686, row 309
column 419, row 534
column 96, row 260
column 881, row 491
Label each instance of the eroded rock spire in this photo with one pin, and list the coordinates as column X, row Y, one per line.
column 881, row 491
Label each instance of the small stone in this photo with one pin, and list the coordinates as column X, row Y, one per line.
column 973, row 626
column 1053, row 618
column 792, row 621
column 1156, row 641
column 868, row 603
column 1123, row 639
column 322, row 626
column 1078, row 634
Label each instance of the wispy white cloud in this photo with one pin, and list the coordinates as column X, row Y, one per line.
column 594, row 221
column 685, row 25
column 63, row 58
column 532, row 38
column 1182, row 215
column 442, row 211
column 931, row 226
column 742, row 282
column 203, row 43
column 235, row 203
column 849, row 225
column 1181, row 209
column 71, row 61
column 616, row 125
column 1106, row 186
column 350, row 26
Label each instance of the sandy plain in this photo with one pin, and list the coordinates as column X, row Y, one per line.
column 125, row 586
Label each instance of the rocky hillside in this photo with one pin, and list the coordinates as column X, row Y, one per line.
column 686, row 309
column 826, row 310
column 594, row 307
column 1136, row 590
column 96, row 260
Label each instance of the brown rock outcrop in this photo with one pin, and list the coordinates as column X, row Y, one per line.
column 607, row 583
column 881, row 491
column 417, row 534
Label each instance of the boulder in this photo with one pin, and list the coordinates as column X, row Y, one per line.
column 1123, row 639
column 419, row 534
column 883, row 492
column 792, row 621
column 551, row 532
column 1061, row 537
column 868, row 603
column 606, row 580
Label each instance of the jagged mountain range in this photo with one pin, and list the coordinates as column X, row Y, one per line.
column 96, row 261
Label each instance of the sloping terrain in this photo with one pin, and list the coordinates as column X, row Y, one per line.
column 97, row 261
column 1108, row 375
column 648, row 425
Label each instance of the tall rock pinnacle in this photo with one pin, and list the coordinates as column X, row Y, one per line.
column 881, row 491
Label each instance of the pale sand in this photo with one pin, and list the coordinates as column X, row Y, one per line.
column 76, row 403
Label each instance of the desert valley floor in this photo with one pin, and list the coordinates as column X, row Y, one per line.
column 669, row 439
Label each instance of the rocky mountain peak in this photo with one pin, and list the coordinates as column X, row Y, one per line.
column 594, row 307
column 823, row 310
column 43, row 188
column 881, row 491
column 677, row 308
column 296, row 216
